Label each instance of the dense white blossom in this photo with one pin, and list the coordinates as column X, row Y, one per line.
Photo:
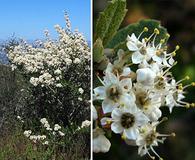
column 131, row 96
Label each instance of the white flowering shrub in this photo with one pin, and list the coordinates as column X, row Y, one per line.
column 56, row 134
column 57, row 73
column 133, row 82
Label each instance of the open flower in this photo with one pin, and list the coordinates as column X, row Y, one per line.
column 114, row 93
column 148, row 101
column 127, row 120
column 149, row 138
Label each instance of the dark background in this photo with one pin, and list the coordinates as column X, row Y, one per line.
column 178, row 16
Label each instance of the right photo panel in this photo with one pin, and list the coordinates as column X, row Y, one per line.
column 143, row 80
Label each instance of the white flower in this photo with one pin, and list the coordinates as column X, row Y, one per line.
column 59, row 85
column 127, row 120
column 27, row 133
column 61, row 133
column 46, row 143
column 43, row 121
column 175, row 95
column 100, row 142
column 85, row 123
column 145, row 76
column 80, row 99
column 57, row 127
column 81, row 91
column 18, row 117
column 148, row 101
column 77, row 60
column 115, row 92
column 113, row 69
column 149, row 137
column 57, row 72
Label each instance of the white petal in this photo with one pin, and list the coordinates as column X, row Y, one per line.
column 157, row 59
column 126, row 71
column 116, row 114
column 155, row 115
column 105, row 120
column 108, row 106
column 140, row 141
column 127, row 99
column 126, row 83
column 100, row 92
column 110, row 78
column 116, row 127
column 132, row 46
column 142, row 151
column 141, row 119
column 94, row 113
column 109, row 68
column 150, row 51
column 133, row 38
column 137, row 57
column 131, row 133
column 101, row 144
column 171, row 61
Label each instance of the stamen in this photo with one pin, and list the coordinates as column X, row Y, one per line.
column 177, row 47
column 192, row 84
column 167, row 135
column 186, row 78
column 144, row 30
column 167, row 35
column 192, row 104
column 155, row 153
column 123, row 136
column 152, row 157
column 108, row 121
column 156, row 31
column 162, row 41
column 100, row 79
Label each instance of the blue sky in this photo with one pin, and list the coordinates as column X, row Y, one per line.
column 29, row 18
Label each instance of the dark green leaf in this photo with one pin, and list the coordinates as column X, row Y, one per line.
column 110, row 20
column 98, row 51
column 119, row 40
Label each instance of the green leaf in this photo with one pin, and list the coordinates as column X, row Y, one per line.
column 98, row 51
column 119, row 40
column 110, row 20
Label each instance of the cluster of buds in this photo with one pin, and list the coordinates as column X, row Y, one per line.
column 132, row 95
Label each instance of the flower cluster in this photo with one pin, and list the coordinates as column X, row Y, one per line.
column 48, row 60
column 132, row 94
column 44, row 139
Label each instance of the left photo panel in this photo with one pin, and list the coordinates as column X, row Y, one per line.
column 45, row 80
